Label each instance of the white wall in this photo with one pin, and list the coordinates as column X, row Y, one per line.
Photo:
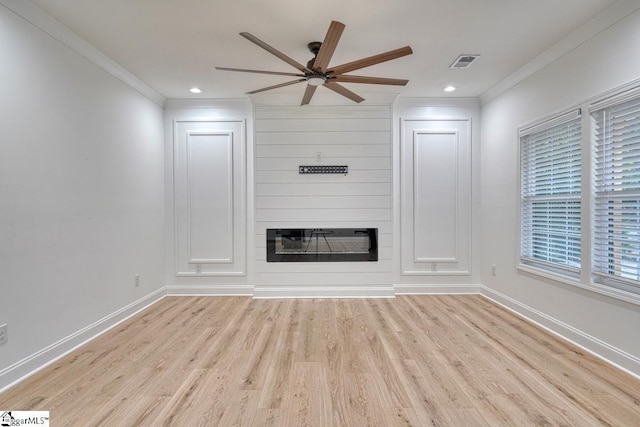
column 81, row 194
column 601, row 323
column 363, row 137
column 230, row 118
column 461, row 188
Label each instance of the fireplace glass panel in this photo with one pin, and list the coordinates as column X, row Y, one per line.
column 322, row 244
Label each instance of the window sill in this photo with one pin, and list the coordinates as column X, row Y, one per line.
column 566, row 279
column 592, row 287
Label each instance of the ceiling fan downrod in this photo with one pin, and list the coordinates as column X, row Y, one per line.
column 314, row 48
column 316, row 78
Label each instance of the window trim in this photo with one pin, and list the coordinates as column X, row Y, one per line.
column 619, row 284
column 551, row 270
column 586, row 280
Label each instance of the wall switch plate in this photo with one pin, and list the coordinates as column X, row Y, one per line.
column 4, row 337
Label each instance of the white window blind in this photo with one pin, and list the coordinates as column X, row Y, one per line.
column 550, row 177
column 616, row 228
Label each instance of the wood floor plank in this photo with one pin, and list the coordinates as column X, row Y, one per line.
column 612, row 381
column 409, row 361
column 269, row 418
column 279, row 374
column 465, row 417
column 401, row 417
column 179, row 361
column 390, row 391
column 338, row 364
column 261, row 357
column 361, row 404
column 423, row 398
column 308, row 400
column 310, row 346
column 444, row 385
column 241, row 410
column 141, row 411
column 556, row 405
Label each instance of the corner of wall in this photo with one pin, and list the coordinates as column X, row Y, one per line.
column 610, row 354
column 28, row 366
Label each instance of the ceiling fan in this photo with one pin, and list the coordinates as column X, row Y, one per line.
column 317, row 72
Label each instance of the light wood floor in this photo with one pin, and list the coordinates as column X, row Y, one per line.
column 413, row 360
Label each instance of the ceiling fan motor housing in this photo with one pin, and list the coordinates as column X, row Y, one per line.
column 314, row 47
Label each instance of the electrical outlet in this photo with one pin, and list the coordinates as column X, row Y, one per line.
column 136, row 280
column 493, row 269
column 4, row 337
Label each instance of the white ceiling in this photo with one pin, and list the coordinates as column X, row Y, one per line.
column 172, row 45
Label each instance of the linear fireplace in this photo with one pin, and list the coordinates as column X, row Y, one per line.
column 322, row 244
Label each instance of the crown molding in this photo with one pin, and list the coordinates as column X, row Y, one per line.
column 321, row 98
column 437, row 102
column 208, row 103
column 46, row 23
column 606, row 19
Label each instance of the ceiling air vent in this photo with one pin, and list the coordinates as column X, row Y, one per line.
column 464, row 61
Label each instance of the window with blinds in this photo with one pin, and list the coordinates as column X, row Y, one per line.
column 616, row 222
column 550, row 178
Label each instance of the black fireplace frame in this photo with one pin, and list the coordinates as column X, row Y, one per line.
column 302, row 233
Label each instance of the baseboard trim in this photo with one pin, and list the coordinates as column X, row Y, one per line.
column 30, row 365
column 266, row 292
column 210, row 290
column 412, row 289
column 608, row 353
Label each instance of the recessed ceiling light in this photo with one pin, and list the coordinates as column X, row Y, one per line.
column 449, row 88
column 195, row 90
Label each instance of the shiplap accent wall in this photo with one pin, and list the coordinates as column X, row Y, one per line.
column 357, row 136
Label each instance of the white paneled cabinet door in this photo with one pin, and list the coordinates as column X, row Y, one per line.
column 436, row 197
column 209, row 184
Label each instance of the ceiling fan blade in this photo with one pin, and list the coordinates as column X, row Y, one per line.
column 277, row 86
column 371, row 80
column 308, row 93
column 328, row 46
column 277, row 73
column 372, row 60
column 344, row 91
column 276, row 52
